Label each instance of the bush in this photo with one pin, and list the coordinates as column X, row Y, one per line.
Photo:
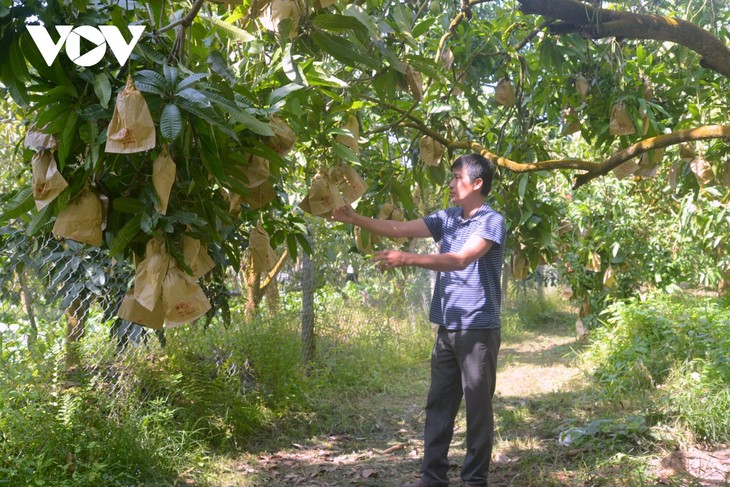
column 677, row 346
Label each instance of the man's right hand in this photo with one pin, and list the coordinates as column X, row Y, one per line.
column 344, row 214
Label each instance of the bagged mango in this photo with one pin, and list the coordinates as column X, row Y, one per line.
column 131, row 128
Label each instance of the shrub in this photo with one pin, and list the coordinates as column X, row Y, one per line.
column 675, row 345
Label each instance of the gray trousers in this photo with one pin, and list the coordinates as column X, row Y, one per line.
column 463, row 363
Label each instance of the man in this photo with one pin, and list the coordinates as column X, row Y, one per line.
column 465, row 305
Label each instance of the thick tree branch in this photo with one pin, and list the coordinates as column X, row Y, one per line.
column 699, row 133
column 523, row 166
column 599, row 23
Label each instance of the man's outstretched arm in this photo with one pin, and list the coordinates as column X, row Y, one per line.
column 473, row 249
column 387, row 228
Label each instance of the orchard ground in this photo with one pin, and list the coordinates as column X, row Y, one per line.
column 541, row 391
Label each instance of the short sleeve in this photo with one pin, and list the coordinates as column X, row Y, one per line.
column 435, row 224
column 491, row 227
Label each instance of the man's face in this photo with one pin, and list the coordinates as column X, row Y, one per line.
column 461, row 186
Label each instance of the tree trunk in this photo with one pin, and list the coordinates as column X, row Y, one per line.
column 272, row 297
column 253, row 287
column 76, row 315
column 307, row 282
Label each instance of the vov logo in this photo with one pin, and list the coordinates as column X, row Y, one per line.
column 71, row 36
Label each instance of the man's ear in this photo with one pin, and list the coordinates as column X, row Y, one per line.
column 478, row 182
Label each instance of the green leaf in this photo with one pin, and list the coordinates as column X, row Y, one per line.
column 344, row 152
column 231, row 30
column 291, row 244
column 171, row 122
column 207, row 114
column 39, row 220
column 339, row 23
column 17, row 61
column 195, row 96
column 125, row 236
column 103, row 89
column 283, row 92
column 153, row 78
column 149, row 88
column 343, row 50
column 127, row 205
column 524, row 179
column 21, row 204
column 67, row 137
column 191, row 80
column 423, row 27
column 171, row 74
column 240, row 115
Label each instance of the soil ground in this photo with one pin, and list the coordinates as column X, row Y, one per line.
column 537, row 385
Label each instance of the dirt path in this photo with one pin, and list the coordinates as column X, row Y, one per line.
column 390, row 455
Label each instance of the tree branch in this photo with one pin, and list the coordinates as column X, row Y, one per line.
column 273, row 272
column 618, row 158
column 186, row 20
column 597, row 23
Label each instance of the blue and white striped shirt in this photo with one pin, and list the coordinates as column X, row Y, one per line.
column 469, row 298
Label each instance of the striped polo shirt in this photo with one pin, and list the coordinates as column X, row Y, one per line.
column 469, row 298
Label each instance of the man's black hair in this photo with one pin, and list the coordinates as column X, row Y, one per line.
column 477, row 166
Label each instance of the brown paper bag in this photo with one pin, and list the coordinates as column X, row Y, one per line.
column 447, row 58
column 571, row 122
column 504, row 94
column 47, row 180
column 196, row 256
column 131, row 310
column 284, row 137
column 702, row 170
column 163, row 177
column 582, row 87
column 649, row 162
column 686, row 152
column 235, row 201
column 397, row 216
column 625, row 169
column 263, row 256
column 386, row 210
column 609, row 279
column 36, row 139
column 323, row 195
column 585, row 309
column 594, row 262
column 430, row 151
column 81, row 220
column 348, row 182
column 519, row 266
column 363, row 240
column 183, row 299
column 620, row 123
column 257, row 171
column 131, row 128
column 151, row 273
column 278, row 10
column 350, row 141
column 304, row 205
column 260, row 196
column 415, row 82
column 673, row 176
